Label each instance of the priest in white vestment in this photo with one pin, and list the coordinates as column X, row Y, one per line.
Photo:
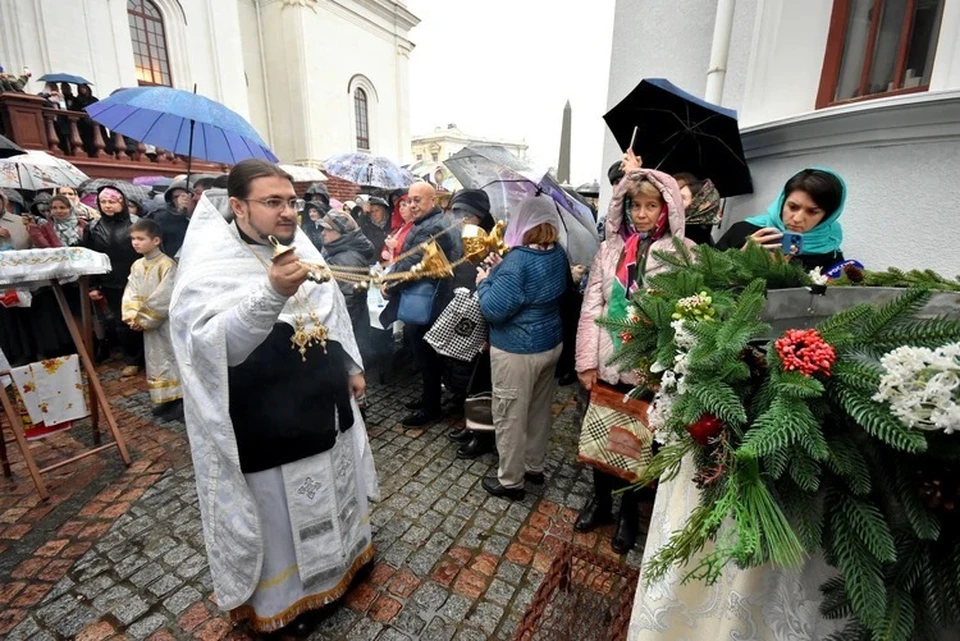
column 271, row 373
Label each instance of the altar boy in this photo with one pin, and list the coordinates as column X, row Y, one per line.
column 146, row 304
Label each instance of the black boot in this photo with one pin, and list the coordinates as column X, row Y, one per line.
column 628, row 523
column 460, row 435
column 599, row 509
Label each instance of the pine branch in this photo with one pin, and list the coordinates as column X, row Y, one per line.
column 721, row 400
column 898, row 625
column 924, row 524
column 877, row 421
column 887, row 315
column 862, row 570
column 847, row 461
column 805, row 472
column 869, row 524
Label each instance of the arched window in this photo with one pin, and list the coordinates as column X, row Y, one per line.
column 149, row 43
column 361, row 109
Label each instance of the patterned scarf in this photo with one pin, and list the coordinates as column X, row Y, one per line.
column 705, row 209
column 632, row 266
column 68, row 229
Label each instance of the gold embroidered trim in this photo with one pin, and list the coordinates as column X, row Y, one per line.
column 306, row 604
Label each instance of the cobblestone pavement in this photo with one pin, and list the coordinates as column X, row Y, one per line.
column 117, row 553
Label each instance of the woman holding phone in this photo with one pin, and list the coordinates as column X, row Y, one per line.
column 804, row 221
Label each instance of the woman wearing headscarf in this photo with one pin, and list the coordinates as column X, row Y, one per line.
column 702, row 207
column 810, row 205
column 645, row 216
column 393, row 244
column 110, row 235
column 520, row 300
column 62, row 229
column 763, row 602
column 312, row 216
column 85, row 126
column 83, row 211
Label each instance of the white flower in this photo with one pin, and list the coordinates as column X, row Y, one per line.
column 682, row 337
column 817, row 277
column 922, row 386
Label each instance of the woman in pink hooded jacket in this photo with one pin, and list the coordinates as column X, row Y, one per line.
column 645, row 216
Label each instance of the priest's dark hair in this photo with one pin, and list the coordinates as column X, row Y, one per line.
column 146, row 226
column 246, row 171
column 822, row 186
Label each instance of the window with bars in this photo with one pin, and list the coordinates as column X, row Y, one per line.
column 879, row 48
column 361, row 109
column 149, row 41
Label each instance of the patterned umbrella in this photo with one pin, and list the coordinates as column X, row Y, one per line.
column 36, row 170
column 131, row 191
column 508, row 181
column 368, row 170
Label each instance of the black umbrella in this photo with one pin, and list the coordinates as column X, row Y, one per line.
column 9, row 148
column 678, row 132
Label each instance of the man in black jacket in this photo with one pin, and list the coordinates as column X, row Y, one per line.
column 429, row 223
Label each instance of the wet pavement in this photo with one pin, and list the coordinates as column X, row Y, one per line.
column 117, row 553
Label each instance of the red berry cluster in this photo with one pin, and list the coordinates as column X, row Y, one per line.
column 804, row 351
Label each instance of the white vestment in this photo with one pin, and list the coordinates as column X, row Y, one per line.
column 289, row 538
column 146, row 300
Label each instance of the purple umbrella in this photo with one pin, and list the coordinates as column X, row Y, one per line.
column 508, row 181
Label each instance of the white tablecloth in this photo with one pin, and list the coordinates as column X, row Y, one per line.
column 65, row 264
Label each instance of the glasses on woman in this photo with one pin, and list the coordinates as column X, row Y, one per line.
column 277, row 205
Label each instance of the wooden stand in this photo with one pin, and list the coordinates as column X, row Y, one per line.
column 97, row 399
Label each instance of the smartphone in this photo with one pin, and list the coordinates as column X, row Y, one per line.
column 792, row 244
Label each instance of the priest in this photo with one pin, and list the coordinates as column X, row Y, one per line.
column 271, row 377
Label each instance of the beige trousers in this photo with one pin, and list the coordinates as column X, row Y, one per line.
column 523, row 389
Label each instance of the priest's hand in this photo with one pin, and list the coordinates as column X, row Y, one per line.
column 357, row 385
column 286, row 274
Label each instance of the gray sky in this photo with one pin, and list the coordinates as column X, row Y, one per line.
column 504, row 69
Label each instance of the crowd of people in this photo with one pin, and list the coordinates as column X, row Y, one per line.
column 197, row 281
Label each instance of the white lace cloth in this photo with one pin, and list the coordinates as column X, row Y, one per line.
column 761, row 604
column 65, row 264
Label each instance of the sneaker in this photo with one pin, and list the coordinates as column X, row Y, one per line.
column 421, row 418
column 129, row 371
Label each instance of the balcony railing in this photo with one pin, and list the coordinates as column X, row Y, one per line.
column 29, row 121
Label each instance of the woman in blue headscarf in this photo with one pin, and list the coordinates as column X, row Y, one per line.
column 809, row 205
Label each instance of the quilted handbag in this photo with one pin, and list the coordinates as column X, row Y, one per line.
column 614, row 437
column 417, row 303
column 460, row 332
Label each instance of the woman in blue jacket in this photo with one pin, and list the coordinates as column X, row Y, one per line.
column 520, row 300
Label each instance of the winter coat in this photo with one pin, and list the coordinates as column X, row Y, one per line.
column 594, row 345
column 45, row 236
column 520, row 300
column 375, row 233
column 173, row 224
column 351, row 250
column 430, row 225
column 314, row 232
column 110, row 235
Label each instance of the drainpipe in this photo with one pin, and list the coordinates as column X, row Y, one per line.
column 263, row 73
column 719, row 50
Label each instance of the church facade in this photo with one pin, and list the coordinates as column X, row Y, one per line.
column 869, row 89
column 314, row 77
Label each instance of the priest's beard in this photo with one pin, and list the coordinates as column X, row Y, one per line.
column 254, row 231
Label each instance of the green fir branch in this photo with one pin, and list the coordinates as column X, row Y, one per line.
column 847, row 461
column 870, row 526
column 877, row 421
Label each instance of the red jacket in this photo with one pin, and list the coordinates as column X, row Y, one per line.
column 44, row 236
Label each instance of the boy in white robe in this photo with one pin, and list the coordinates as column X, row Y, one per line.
column 145, row 307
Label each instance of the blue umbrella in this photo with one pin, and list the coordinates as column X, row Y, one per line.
column 64, row 77
column 184, row 123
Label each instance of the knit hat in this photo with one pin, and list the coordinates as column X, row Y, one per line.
column 473, row 202
column 615, row 173
column 338, row 222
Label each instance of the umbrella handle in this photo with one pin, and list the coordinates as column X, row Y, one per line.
column 633, row 137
